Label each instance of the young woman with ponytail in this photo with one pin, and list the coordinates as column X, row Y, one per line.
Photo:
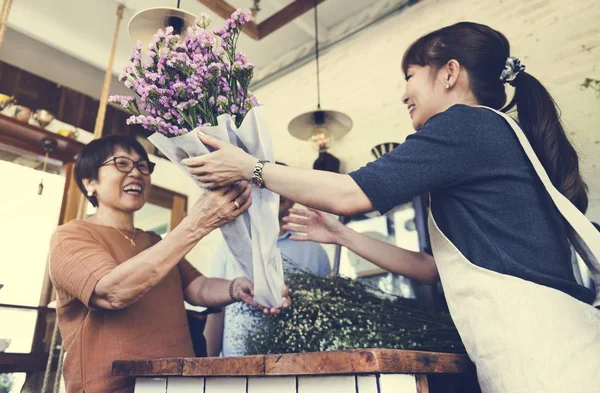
column 507, row 203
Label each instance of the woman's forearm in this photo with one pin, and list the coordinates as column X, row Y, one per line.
column 213, row 333
column 326, row 191
column 132, row 279
column 211, row 292
column 416, row 265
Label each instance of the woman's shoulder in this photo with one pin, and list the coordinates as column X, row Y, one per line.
column 466, row 115
column 86, row 230
column 469, row 125
column 73, row 228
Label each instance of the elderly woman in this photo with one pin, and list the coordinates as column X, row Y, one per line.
column 121, row 290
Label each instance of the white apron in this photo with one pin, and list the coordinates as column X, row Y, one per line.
column 525, row 337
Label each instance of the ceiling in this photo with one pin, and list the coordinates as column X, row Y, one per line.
column 84, row 28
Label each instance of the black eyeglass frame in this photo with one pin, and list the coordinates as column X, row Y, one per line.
column 135, row 164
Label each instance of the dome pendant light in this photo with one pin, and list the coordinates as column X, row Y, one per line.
column 321, row 127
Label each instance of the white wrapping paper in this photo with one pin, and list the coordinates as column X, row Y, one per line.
column 252, row 237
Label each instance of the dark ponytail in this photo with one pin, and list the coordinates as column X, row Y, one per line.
column 539, row 118
column 483, row 52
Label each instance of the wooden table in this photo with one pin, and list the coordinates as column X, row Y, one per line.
column 355, row 371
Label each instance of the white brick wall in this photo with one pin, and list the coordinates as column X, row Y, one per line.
column 558, row 40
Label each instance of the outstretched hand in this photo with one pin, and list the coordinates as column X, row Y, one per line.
column 243, row 290
column 313, row 225
column 226, row 165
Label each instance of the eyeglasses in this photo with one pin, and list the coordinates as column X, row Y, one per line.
column 126, row 165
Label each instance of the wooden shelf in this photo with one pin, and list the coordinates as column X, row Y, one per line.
column 358, row 361
column 24, row 362
column 26, row 137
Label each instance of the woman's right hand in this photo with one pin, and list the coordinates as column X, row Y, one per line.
column 313, row 225
column 219, row 206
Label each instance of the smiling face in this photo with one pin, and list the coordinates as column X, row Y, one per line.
column 126, row 192
column 425, row 94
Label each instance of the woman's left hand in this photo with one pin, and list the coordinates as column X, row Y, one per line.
column 226, row 165
column 243, row 290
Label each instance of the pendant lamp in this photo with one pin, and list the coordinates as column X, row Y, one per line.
column 144, row 25
column 320, row 126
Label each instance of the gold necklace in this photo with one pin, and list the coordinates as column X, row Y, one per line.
column 131, row 241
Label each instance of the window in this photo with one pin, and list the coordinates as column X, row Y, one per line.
column 396, row 227
column 27, row 223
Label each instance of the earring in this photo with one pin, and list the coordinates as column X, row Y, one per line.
column 90, row 194
column 447, row 85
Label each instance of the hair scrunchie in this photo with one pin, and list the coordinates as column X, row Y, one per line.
column 511, row 70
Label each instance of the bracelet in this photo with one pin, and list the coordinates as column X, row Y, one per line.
column 231, row 290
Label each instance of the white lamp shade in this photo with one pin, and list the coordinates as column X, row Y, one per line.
column 337, row 123
column 144, row 24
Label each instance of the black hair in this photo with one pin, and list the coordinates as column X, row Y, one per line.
column 96, row 152
column 483, row 52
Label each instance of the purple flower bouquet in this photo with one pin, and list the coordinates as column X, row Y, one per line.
column 197, row 83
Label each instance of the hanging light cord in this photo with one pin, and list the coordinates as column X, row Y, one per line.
column 317, row 56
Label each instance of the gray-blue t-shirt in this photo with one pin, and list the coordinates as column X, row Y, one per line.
column 485, row 196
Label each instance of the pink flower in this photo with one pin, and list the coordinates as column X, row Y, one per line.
column 190, row 82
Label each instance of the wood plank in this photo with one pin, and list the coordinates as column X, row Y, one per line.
column 395, row 361
column 37, row 345
column 158, row 367
column 72, row 195
column 272, row 385
column 366, row 384
column 367, row 361
column 225, row 385
column 70, row 107
column 178, row 210
column 36, row 92
column 452, row 383
column 224, row 10
column 23, row 362
column 68, row 211
column 335, row 384
column 284, row 16
column 8, row 78
column 161, row 197
column 231, row 366
column 150, row 385
column 185, row 385
column 358, row 361
column 397, row 383
column 29, row 138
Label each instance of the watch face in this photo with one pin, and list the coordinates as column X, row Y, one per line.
column 255, row 181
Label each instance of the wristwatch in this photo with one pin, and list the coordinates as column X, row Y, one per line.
column 256, row 180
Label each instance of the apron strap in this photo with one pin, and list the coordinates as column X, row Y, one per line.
column 583, row 235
